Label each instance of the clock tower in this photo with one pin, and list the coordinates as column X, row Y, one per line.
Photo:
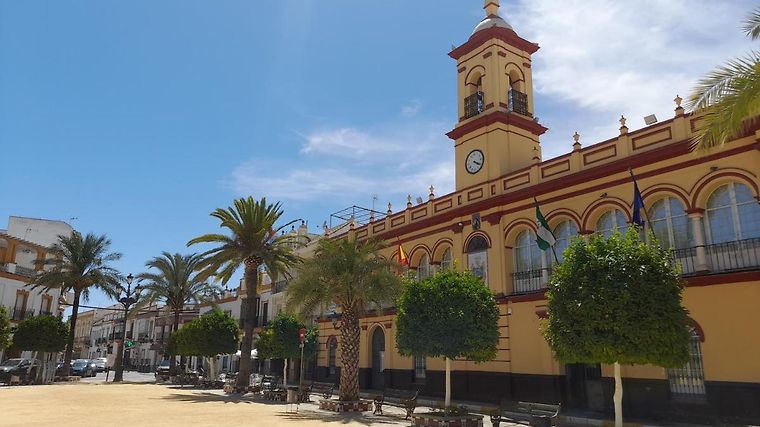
column 497, row 132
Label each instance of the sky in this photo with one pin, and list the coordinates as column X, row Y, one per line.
column 137, row 118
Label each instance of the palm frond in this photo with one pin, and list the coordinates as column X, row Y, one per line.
column 751, row 24
column 727, row 97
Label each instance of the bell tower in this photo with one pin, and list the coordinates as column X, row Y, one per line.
column 497, row 132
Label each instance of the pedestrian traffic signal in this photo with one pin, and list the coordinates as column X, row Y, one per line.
column 130, row 344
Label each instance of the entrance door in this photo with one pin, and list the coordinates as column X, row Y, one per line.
column 584, row 387
column 378, row 359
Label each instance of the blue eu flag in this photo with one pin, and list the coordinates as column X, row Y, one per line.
column 638, row 205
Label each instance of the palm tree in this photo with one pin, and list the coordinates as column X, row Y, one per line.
column 254, row 242
column 729, row 95
column 354, row 276
column 77, row 265
column 175, row 284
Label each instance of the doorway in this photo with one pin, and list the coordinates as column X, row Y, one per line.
column 378, row 359
column 584, row 387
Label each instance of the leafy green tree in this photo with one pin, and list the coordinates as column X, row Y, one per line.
column 729, row 95
column 42, row 334
column 280, row 340
column 209, row 335
column 254, row 241
column 176, row 284
column 354, row 276
column 451, row 315
column 5, row 328
column 617, row 301
column 77, row 264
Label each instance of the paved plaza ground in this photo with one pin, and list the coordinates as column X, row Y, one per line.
column 95, row 403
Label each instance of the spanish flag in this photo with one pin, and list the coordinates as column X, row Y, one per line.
column 402, row 258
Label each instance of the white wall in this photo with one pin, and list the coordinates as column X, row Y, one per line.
column 43, row 232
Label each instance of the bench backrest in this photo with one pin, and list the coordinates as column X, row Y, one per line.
column 540, row 408
column 401, row 394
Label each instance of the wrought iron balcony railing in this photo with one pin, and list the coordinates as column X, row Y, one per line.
column 524, row 282
column 518, row 102
column 21, row 314
column 473, row 105
column 720, row 257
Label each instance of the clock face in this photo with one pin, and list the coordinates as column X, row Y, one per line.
column 474, row 161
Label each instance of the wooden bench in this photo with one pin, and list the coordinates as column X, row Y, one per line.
column 325, row 390
column 536, row 414
column 404, row 399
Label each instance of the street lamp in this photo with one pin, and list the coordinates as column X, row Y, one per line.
column 129, row 299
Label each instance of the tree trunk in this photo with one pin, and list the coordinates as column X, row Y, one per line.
column 175, row 327
column 72, row 327
column 447, row 401
column 349, row 355
column 285, row 371
column 248, row 315
column 212, row 368
column 618, row 397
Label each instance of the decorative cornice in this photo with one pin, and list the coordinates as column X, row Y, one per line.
column 504, row 34
column 497, row 117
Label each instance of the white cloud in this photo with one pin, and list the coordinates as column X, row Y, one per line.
column 412, row 108
column 609, row 57
column 391, row 161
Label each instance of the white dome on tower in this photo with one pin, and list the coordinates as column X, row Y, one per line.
column 492, row 21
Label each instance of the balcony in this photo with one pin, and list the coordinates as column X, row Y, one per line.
column 473, row 105
column 525, row 282
column 726, row 257
column 279, row 287
column 24, row 271
column 46, row 313
column 21, row 314
column 518, row 102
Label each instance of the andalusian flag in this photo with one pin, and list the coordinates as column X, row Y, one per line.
column 402, row 258
column 545, row 238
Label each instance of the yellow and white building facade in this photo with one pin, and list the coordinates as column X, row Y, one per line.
column 704, row 205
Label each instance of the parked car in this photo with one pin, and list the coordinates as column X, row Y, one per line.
column 83, row 368
column 25, row 369
column 100, row 364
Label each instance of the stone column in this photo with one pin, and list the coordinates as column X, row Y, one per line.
column 698, row 230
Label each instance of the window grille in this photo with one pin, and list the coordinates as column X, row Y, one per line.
column 688, row 382
column 420, row 366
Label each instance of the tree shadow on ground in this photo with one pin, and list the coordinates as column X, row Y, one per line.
column 208, row 397
column 343, row 417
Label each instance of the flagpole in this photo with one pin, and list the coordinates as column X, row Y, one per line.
column 644, row 208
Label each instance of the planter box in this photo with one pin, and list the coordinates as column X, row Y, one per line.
column 335, row 405
column 435, row 420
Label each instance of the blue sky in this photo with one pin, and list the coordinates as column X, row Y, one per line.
column 140, row 117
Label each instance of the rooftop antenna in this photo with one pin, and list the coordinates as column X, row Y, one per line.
column 374, row 199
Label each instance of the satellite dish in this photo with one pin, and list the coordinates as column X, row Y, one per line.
column 650, row 119
column 419, row 200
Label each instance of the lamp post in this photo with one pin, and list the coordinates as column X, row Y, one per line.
column 130, row 298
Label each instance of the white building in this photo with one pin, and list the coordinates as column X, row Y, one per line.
column 22, row 244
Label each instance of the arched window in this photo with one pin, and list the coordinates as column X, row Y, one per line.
column 332, row 349
column 732, row 214
column 689, row 381
column 563, row 233
column 528, row 270
column 670, row 224
column 447, row 260
column 477, row 257
column 423, row 270
column 611, row 221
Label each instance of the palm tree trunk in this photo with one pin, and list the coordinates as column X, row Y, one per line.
column 175, row 327
column 349, row 355
column 72, row 328
column 248, row 315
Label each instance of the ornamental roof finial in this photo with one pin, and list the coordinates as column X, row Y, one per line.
column 491, row 7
